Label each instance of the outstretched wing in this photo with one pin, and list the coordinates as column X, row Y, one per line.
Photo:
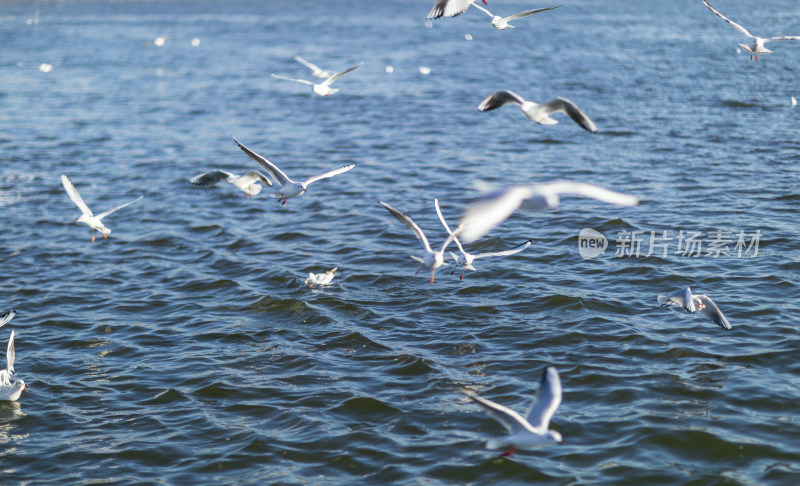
column 253, row 176
column 711, row 311
column 271, row 168
column 336, row 76
column 210, row 178
column 411, row 224
column 448, row 8
column 511, row 420
column 332, row 173
column 75, row 195
column 103, row 215
column 481, row 217
column 547, row 400
column 726, row 19
column 10, row 354
column 292, row 79
column 500, row 98
column 588, row 190
column 782, row 38
column 512, row 251
column 444, row 223
column 7, row 317
column 683, row 298
column 315, row 70
column 526, row 13
column 571, row 109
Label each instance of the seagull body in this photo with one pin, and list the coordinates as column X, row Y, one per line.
column 533, row 429
column 502, row 23
column 288, row 188
column 321, row 278
column 249, row 183
column 756, row 45
column 323, row 88
column 450, row 8
column 10, row 391
column 540, row 113
column 431, row 259
column 481, row 217
column 315, row 70
column 696, row 303
column 465, row 259
column 87, row 218
column 7, row 317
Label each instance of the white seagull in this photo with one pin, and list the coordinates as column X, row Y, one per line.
column 481, row 217
column 533, row 429
column 696, row 303
column 10, row 391
column 502, row 23
column 432, row 259
column 450, row 8
column 315, row 70
column 87, row 218
column 540, row 113
column 249, row 183
column 321, row 278
column 7, row 317
column 756, row 45
column 288, row 188
column 323, row 88
column 465, row 259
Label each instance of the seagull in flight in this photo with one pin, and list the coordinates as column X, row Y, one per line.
column 696, row 303
column 87, row 218
column 756, row 45
column 288, row 188
column 315, row 70
column 496, row 207
column 450, row 8
column 7, row 316
column 540, row 113
column 323, row 88
column 10, row 391
column 533, row 429
column 502, row 23
column 465, row 259
column 249, row 183
column 431, row 259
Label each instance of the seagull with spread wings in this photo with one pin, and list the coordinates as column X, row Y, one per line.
column 249, row 182
column 540, row 113
column 323, row 88
column 87, row 218
column 502, row 23
column 696, row 303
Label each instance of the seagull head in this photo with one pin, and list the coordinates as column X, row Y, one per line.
column 21, row 384
column 82, row 219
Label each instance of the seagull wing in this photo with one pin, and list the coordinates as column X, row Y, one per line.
column 253, row 176
column 512, row 251
column 711, row 311
column 340, row 170
column 782, row 38
column 564, row 105
column 309, row 65
column 500, row 98
column 210, row 178
column 588, row 190
column 448, row 8
column 410, row 223
column 7, row 317
column 490, row 14
column 75, row 195
column 547, row 400
column 444, row 223
column 271, row 168
column 10, row 354
column 481, row 217
column 683, row 298
column 292, row 79
column 103, row 215
column 511, row 420
column 525, row 13
column 726, row 19
column 336, row 76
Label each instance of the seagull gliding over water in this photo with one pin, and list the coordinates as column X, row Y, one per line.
column 696, row 303
column 540, row 113
column 502, row 23
column 87, row 218
column 249, row 183
column 323, row 88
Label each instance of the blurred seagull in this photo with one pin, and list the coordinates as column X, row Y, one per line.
column 432, row 259
column 7, row 317
column 321, row 278
column 533, row 429
column 315, row 70
column 502, row 23
column 696, row 303
column 756, row 45
column 496, row 207
column 249, row 183
column 288, row 188
column 87, row 218
column 450, row 8
column 158, row 41
column 540, row 113
column 323, row 88
column 10, row 391
column 465, row 259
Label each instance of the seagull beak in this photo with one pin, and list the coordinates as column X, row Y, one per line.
column 26, row 387
column 433, row 274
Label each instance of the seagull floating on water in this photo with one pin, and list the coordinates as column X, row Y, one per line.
column 533, row 429
column 756, row 45
column 465, row 259
column 7, row 316
column 502, row 23
column 249, row 183
column 450, row 8
column 432, row 259
column 288, row 188
column 323, row 88
column 321, row 278
column 696, row 303
column 315, row 70
column 87, row 218
column 496, row 207
column 10, row 391
column 540, row 113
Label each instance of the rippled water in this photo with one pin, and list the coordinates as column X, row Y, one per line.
column 186, row 349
